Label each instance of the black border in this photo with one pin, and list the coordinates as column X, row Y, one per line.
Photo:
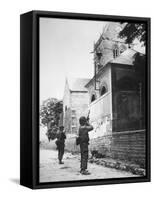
column 35, row 99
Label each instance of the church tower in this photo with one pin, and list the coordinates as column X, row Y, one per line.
column 109, row 45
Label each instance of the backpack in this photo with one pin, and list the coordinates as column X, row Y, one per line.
column 77, row 140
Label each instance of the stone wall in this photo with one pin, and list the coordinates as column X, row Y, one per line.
column 79, row 102
column 101, row 109
column 67, row 109
column 100, row 117
column 128, row 146
column 70, row 144
column 75, row 105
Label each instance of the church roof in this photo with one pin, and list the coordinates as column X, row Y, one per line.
column 126, row 58
column 111, row 32
column 77, row 84
column 112, row 29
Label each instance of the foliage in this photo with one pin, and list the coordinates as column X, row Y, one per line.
column 132, row 31
column 50, row 110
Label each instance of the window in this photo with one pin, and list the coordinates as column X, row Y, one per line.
column 121, row 51
column 73, row 112
column 122, row 48
column 74, row 121
column 93, row 98
column 103, row 90
column 99, row 53
column 65, row 108
column 115, row 52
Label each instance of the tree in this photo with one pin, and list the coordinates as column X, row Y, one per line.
column 50, row 109
column 132, row 31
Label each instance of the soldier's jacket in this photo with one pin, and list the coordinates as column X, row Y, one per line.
column 83, row 133
column 61, row 137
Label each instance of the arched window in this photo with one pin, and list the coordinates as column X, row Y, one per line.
column 115, row 50
column 103, row 90
column 99, row 53
column 121, row 51
column 122, row 48
column 93, row 98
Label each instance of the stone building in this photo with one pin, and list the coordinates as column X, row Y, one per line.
column 116, row 98
column 75, row 103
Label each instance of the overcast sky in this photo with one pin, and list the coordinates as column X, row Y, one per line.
column 65, row 47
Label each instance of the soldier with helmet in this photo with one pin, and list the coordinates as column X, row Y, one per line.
column 60, row 142
column 83, row 141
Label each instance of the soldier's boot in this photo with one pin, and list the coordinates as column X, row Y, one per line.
column 85, row 172
column 60, row 162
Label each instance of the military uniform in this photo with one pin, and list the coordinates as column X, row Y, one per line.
column 84, row 156
column 60, row 142
column 84, row 142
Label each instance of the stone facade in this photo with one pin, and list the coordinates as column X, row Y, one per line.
column 109, row 45
column 101, row 108
column 75, row 104
column 125, row 145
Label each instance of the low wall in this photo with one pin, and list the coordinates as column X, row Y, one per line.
column 70, row 144
column 128, row 145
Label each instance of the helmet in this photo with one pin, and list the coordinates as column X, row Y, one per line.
column 82, row 120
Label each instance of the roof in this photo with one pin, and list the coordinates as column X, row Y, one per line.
column 77, row 84
column 126, row 58
column 110, row 32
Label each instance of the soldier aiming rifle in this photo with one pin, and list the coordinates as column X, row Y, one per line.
column 83, row 141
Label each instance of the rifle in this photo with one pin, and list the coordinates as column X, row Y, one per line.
column 88, row 116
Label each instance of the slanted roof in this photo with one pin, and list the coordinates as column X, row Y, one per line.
column 126, row 58
column 77, row 84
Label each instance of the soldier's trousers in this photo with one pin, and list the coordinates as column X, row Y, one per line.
column 84, row 155
column 60, row 152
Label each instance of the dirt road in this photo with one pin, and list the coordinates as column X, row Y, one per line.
column 51, row 171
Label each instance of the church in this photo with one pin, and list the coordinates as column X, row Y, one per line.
column 113, row 97
column 75, row 103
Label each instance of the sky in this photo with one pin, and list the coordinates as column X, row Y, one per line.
column 65, row 51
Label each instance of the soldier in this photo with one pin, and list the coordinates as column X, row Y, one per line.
column 60, row 142
column 84, row 128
